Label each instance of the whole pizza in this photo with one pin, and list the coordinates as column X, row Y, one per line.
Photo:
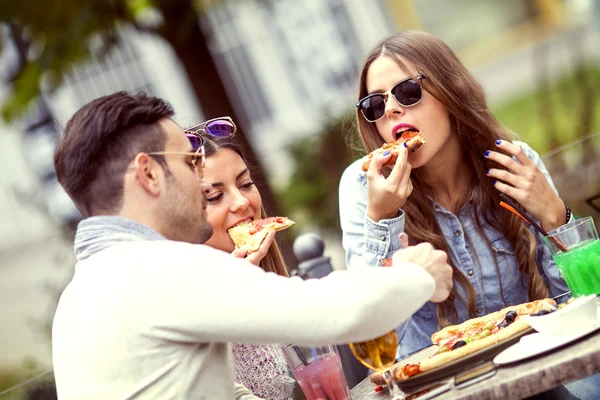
column 457, row 341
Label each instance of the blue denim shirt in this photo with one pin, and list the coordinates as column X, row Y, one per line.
column 367, row 243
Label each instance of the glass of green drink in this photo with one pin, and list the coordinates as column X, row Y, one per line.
column 580, row 265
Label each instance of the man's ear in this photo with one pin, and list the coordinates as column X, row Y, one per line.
column 147, row 174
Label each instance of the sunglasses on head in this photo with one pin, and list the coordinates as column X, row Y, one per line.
column 407, row 93
column 217, row 127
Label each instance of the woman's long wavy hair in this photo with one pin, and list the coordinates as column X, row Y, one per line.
column 273, row 260
column 470, row 118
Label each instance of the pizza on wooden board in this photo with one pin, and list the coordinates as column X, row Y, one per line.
column 248, row 235
column 457, row 341
column 411, row 139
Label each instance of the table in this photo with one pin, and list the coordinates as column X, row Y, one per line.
column 522, row 379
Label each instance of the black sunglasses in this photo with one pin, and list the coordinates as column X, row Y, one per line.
column 407, row 93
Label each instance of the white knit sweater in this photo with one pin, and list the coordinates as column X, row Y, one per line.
column 154, row 319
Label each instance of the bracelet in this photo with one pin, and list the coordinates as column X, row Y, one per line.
column 568, row 214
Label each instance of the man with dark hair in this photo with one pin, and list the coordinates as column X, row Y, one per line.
column 150, row 311
column 107, row 149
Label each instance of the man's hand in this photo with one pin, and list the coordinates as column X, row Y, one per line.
column 433, row 261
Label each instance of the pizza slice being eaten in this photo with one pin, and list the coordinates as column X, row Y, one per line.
column 248, row 235
column 412, row 139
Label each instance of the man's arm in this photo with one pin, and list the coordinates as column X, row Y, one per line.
column 215, row 297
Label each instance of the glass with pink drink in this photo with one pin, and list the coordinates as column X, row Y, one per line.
column 318, row 371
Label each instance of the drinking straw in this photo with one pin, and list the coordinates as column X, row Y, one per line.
column 314, row 352
column 299, row 353
column 511, row 206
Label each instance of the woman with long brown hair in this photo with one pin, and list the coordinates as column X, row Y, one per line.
column 447, row 192
column 233, row 198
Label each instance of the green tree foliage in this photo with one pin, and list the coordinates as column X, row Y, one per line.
column 56, row 35
column 319, row 163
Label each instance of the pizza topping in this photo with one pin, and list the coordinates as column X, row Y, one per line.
column 258, row 225
column 511, row 316
column 406, row 135
column 411, row 369
column 458, row 344
column 484, row 333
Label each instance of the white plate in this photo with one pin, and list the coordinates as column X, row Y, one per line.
column 537, row 343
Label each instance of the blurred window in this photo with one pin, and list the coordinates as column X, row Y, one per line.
column 315, row 45
column 230, row 50
column 319, row 47
column 120, row 69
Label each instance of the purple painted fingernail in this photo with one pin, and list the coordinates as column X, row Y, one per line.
column 385, row 153
column 494, row 182
column 487, row 172
column 486, row 153
column 405, row 145
column 498, row 142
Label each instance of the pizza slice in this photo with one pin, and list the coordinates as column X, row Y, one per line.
column 457, row 341
column 411, row 138
column 249, row 234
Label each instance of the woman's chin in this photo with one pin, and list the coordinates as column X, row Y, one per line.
column 417, row 161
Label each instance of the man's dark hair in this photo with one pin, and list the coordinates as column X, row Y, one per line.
column 100, row 141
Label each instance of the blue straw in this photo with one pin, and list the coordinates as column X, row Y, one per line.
column 314, row 352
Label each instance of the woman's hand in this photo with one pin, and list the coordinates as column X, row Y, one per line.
column 524, row 182
column 259, row 254
column 385, row 196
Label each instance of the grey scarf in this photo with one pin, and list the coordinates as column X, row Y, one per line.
column 98, row 233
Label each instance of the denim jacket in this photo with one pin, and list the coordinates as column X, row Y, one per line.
column 367, row 243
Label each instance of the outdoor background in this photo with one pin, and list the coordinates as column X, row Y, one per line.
column 286, row 71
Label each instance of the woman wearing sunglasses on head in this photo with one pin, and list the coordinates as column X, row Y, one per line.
column 234, row 197
column 446, row 192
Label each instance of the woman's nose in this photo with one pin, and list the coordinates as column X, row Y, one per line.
column 392, row 107
column 239, row 202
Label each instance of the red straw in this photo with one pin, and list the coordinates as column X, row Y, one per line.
column 513, row 208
